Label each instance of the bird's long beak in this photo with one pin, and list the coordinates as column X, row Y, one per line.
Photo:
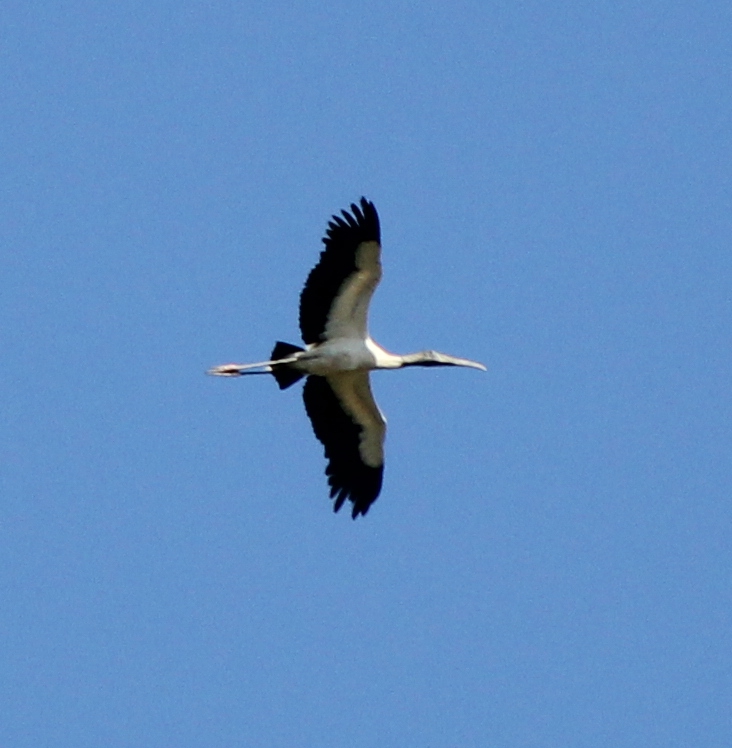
column 435, row 358
column 465, row 362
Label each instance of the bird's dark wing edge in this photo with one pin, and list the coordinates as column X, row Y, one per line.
column 337, row 262
column 348, row 476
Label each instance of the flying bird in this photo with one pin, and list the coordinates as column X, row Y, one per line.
column 338, row 355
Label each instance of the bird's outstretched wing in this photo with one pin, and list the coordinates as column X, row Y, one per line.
column 334, row 302
column 351, row 427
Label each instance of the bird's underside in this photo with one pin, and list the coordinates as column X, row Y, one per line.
column 338, row 356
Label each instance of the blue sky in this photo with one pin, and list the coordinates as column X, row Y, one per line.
column 549, row 561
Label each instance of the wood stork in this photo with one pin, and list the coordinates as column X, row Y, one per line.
column 338, row 355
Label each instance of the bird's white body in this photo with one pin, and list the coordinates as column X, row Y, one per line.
column 338, row 356
column 341, row 354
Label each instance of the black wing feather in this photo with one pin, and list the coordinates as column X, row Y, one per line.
column 337, row 262
column 348, row 476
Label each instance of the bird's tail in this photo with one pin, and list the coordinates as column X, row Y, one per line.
column 284, row 373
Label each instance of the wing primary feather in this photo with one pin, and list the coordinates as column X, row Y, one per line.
column 337, row 262
column 348, row 476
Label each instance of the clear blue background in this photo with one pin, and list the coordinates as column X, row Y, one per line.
column 549, row 562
